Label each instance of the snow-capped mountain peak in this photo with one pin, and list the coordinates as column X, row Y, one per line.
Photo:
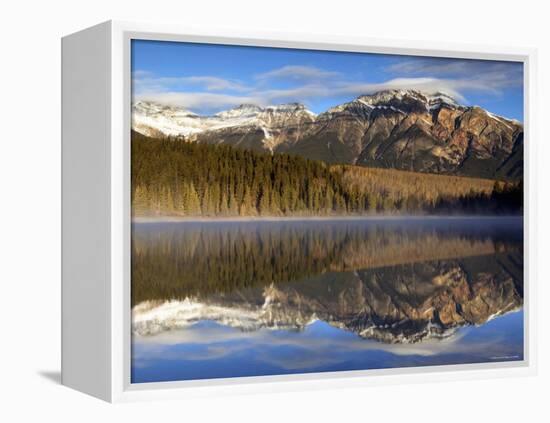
column 152, row 108
column 399, row 101
column 408, row 96
column 443, row 98
column 152, row 118
column 243, row 110
column 286, row 108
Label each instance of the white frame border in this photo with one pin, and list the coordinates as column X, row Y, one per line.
column 120, row 329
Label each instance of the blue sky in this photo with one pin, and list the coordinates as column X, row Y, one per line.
column 209, row 78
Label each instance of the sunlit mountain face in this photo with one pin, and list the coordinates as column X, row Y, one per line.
column 396, row 129
column 223, row 299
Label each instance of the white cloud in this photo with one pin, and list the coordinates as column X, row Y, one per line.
column 429, row 85
column 207, row 94
column 145, row 81
column 141, row 74
column 296, row 94
column 211, row 101
column 430, row 66
column 198, row 100
column 464, row 75
column 297, row 72
column 213, row 83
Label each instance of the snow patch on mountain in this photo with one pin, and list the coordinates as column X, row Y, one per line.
column 149, row 117
column 395, row 100
column 168, row 120
column 504, row 121
column 240, row 112
column 429, row 100
column 151, row 318
column 154, row 119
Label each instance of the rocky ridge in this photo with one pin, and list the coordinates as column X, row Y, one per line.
column 400, row 129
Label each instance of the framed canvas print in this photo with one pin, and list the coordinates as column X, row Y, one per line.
column 260, row 212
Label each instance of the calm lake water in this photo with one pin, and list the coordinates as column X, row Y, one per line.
column 226, row 299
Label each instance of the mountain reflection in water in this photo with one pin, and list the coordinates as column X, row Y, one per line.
column 367, row 286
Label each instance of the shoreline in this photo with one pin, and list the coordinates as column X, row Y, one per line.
column 244, row 219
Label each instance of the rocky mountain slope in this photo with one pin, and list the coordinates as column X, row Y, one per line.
column 401, row 129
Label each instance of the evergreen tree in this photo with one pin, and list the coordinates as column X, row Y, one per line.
column 193, row 206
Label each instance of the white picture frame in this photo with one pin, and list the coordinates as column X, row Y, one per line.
column 96, row 220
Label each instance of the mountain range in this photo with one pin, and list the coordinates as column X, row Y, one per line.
column 398, row 129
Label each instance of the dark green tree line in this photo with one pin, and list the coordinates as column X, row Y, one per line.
column 179, row 178
column 194, row 179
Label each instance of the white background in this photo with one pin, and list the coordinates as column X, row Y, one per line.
column 30, row 207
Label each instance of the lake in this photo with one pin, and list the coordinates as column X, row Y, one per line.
column 218, row 299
